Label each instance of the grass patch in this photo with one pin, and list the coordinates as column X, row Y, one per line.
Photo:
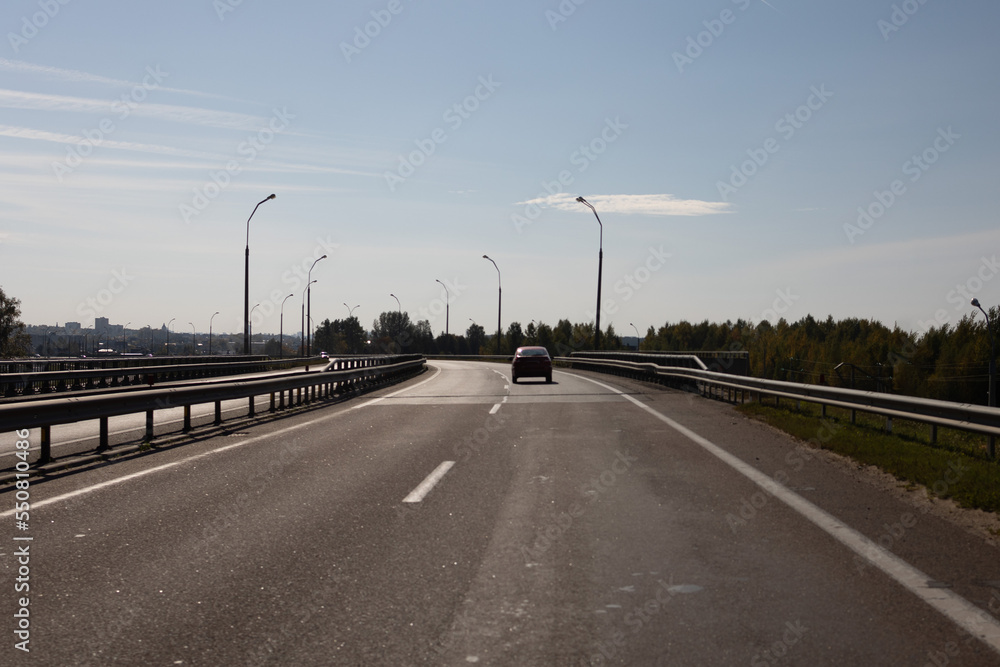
column 956, row 466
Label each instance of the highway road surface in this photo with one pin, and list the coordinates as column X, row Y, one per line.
column 459, row 519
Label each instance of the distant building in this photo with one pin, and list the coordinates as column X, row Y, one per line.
column 72, row 327
column 101, row 324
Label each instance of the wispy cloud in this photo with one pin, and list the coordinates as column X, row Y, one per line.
column 15, row 99
column 635, row 204
column 76, row 76
column 42, row 135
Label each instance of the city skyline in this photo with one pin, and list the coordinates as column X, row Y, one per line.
column 749, row 160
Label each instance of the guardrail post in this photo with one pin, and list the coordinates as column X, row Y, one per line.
column 933, row 434
column 103, row 442
column 218, row 412
column 45, row 451
column 251, row 412
column 272, row 403
column 187, row 418
column 149, row 426
column 888, row 424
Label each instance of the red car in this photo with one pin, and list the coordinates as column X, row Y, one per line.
column 533, row 361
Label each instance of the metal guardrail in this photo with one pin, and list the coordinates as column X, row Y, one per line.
column 53, row 364
column 961, row 416
column 28, row 384
column 340, row 376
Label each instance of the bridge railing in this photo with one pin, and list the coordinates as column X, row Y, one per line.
column 339, row 377
column 32, row 383
column 734, row 388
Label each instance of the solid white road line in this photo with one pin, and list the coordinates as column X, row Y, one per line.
column 966, row 615
column 495, row 408
column 417, row 494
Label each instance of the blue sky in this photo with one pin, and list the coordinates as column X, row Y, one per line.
column 748, row 159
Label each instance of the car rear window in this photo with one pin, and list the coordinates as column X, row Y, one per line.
column 534, row 353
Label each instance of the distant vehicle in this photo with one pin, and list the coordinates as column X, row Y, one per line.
column 532, row 361
column 324, row 355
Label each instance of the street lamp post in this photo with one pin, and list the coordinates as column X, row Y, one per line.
column 246, row 283
column 993, row 371
column 447, row 305
column 350, row 311
column 281, row 330
column 249, row 350
column 168, row 334
column 210, row 332
column 309, row 306
column 302, row 338
column 636, row 336
column 600, row 264
column 399, row 318
column 499, row 300
column 194, row 340
column 124, row 349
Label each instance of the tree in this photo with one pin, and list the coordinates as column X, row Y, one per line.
column 14, row 342
column 476, row 336
column 340, row 336
column 392, row 332
column 515, row 337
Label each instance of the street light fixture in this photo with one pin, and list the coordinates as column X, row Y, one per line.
column 993, row 371
column 350, row 311
column 246, row 282
column 309, row 306
column 124, row 349
column 600, row 264
column 636, row 336
column 249, row 350
column 210, row 332
column 281, row 330
column 194, row 340
column 499, row 300
column 447, row 305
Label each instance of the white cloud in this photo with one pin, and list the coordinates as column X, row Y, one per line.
column 42, row 135
column 15, row 99
column 76, row 76
column 635, row 204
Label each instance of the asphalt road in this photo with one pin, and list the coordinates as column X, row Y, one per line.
column 459, row 519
